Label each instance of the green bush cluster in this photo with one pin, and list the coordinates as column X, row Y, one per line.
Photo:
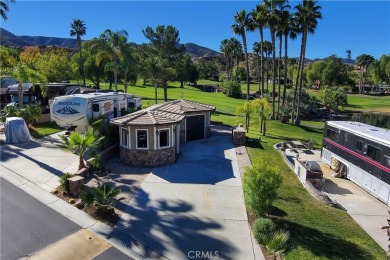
column 231, row 89
column 64, row 181
column 29, row 113
column 101, row 196
column 265, row 232
column 260, row 183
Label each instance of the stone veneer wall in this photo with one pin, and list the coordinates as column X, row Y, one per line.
column 239, row 136
column 149, row 158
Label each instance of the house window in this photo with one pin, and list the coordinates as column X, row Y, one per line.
column 332, row 135
column 163, row 138
column 124, row 137
column 359, row 146
column 374, row 153
column 142, row 138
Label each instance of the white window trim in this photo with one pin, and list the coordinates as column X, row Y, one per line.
column 136, row 139
column 128, row 137
column 169, row 140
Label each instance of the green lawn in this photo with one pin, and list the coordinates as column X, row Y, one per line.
column 317, row 231
column 44, row 129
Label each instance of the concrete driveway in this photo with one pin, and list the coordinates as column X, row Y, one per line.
column 195, row 207
column 39, row 162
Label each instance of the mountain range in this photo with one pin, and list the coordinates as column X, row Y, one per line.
column 9, row 39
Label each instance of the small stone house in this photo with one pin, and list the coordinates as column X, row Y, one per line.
column 151, row 137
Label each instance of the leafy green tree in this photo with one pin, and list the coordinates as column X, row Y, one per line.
column 9, row 57
column 349, row 56
column 4, row 8
column 243, row 23
column 165, row 40
column 363, row 61
column 80, row 144
column 260, row 184
column 130, row 63
column 93, row 65
column 79, row 29
column 224, row 47
column 307, row 16
column 30, row 56
column 186, row 70
column 332, row 98
column 54, row 64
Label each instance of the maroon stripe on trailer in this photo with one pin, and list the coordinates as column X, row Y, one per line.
column 358, row 155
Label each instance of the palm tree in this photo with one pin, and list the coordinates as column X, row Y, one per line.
column 246, row 109
column 307, row 15
column 262, row 106
column 110, row 45
column 224, row 48
column 128, row 61
column 259, row 17
column 267, row 46
column 78, row 29
column 272, row 22
column 289, row 32
column 257, row 51
column 281, row 27
column 235, row 47
column 4, row 8
column 80, row 144
column 243, row 23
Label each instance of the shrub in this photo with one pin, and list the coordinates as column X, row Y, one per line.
column 64, row 181
column 101, row 196
column 232, row 89
column 260, row 184
column 278, row 241
column 263, row 229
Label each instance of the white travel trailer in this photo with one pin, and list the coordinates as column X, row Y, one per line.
column 76, row 111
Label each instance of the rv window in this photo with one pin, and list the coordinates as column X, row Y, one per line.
column 95, row 107
column 125, row 137
column 374, row 153
column 131, row 105
column 332, row 135
column 142, row 139
column 359, row 146
column 387, row 159
column 164, row 138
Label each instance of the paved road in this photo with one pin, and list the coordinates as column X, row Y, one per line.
column 28, row 226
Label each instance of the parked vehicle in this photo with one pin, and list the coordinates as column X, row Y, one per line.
column 79, row 110
column 361, row 153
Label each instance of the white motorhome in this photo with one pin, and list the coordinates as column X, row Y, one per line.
column 77, row 111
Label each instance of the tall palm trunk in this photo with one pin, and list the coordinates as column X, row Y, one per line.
column 296, row 86
column 303, row 49
column 274, row 71
column 247, row 66
column 81, row 59
column 285, row 68
column 279, row 65
column 116, row 80
column 262, row 59
column 81, row 161
column 267, row 75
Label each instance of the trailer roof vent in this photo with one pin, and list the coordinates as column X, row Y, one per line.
column 372, row 129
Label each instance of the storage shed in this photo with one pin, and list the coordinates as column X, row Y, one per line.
column 152, row 136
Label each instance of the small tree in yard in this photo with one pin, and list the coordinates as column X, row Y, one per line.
column 80, row 144
column 101, row 196
column 246, row 109
column 261, row 183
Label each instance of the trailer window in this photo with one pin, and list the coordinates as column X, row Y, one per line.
column 142, row 139
column 387, row 159
column 374, row 153
column 95, row 107
column 331, row 134
column 125, row 138
column 163, row 138
column 359, row 146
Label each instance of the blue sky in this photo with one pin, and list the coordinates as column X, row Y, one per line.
column 361, row 26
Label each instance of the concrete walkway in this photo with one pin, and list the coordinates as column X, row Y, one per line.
column 189, row 208
column 366, row 210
